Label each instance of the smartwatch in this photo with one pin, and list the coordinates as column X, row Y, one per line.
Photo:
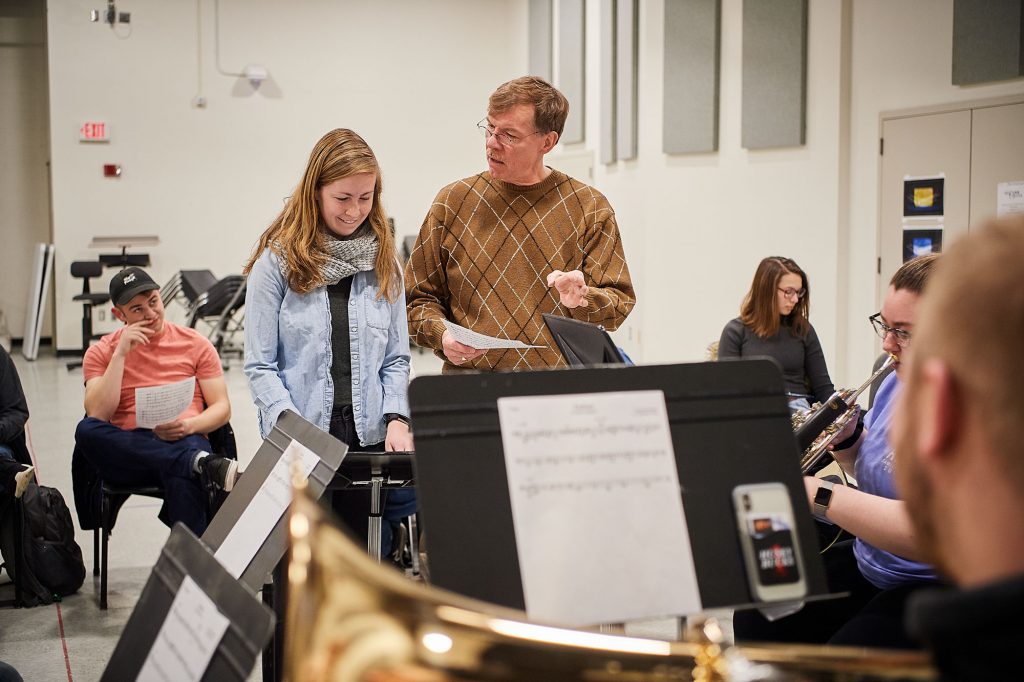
column 394, row 416
column 822, row 499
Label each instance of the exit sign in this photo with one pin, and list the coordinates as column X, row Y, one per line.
column 94, row 131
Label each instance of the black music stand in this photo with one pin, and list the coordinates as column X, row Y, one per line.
column 729, row 424
column 250, row 622
column 583, row 344
column 290, row 426
column 269, row 558
column 377, row 471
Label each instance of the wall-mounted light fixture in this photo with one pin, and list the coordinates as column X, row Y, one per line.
column 255, row 74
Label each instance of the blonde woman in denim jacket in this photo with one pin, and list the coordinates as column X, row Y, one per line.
column 326, row 334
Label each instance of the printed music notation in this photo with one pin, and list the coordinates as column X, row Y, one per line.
column 480, row 341
column 587, row 473
column 532, row 490
column 628, row 457
column 596, row 432
column 155, row 405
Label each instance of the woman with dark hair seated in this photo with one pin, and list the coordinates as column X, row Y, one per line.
column 774, row 322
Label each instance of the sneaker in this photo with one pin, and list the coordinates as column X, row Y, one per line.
column 220, row 471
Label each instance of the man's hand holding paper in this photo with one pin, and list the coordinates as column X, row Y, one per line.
column 458, row 353
column 160, row 406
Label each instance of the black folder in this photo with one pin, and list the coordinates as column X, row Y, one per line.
column 290, row 426
column 250, row 623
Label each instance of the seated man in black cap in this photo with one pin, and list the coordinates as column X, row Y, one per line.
column 150, row 351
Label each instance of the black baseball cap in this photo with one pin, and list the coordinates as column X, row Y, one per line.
column 128, row 284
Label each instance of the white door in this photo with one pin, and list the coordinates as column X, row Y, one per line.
column 997, row 155
column 915, row 147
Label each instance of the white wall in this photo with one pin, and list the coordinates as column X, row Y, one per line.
column 902, row 58
column 696, row 226
column 24, row 140
column 412, row 77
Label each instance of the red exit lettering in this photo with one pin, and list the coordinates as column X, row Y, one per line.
column 93, row 130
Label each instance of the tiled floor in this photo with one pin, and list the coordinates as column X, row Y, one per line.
column 73, row 640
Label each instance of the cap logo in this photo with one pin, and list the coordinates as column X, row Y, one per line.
column 129, row 278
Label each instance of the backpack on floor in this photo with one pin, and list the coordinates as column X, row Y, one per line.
column 51, row 562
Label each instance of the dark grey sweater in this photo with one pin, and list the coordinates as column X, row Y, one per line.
column 803, row 363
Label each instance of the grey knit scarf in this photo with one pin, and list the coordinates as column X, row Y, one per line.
column 345, row 257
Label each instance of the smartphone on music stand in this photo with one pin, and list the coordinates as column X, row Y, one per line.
column 771, row 551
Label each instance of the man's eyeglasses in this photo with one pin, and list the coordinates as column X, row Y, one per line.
column 793, row 293
column 504, row 138
column 883, row 330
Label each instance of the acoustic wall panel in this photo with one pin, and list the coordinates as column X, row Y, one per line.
column 987, row 41
column 607, row 145
column 571, row 79
column 774, row 73
column 540, row 39
column 625, row 78
column 692, row 44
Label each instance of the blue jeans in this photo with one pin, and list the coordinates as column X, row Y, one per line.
column 139, row 458
column 798, row 405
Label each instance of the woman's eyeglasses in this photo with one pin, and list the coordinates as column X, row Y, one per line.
column 883, row 330
column 793, row 293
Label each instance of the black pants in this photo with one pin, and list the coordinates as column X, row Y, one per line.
column 353, row 506
column 868, row 617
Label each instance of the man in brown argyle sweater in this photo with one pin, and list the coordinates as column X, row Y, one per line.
column 501, row 247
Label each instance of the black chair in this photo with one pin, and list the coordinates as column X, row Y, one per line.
column 221, row 309
column 112, row 497
column 879, row 361
column 86, row 270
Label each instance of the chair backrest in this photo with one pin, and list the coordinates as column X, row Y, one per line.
column 85, row 269
column 214, row 300
column 879, row 361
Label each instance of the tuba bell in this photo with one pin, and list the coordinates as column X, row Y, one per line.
column 349, row 619
column 817, row 428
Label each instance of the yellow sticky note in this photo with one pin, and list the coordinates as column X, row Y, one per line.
column 924, row 197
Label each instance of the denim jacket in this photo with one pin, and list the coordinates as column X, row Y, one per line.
column 288, row 351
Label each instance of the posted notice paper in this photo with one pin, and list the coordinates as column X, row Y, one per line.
column 473, row 339
column 272, row 499
column 187, row 639
column 596, row 507
column 155, row 405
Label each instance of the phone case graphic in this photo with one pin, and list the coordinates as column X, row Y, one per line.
column 772, row 540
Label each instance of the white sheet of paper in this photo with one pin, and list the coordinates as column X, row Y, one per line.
column 1009, row 198
column 479, row 341
column 259, row 518
column 596, row 507
column 155, row 405
column 187, row 639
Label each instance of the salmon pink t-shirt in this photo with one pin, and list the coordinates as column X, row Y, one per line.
column 175, row 354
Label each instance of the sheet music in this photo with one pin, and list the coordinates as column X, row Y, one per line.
column 188, row 638
column 265, row 510
column 479, row 341
column 155, row 405
column 596, row 507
